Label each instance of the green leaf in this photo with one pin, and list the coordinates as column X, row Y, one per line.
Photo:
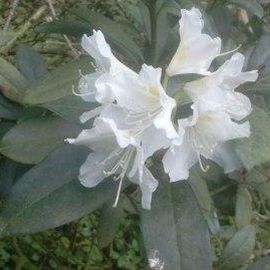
column 49, row 195
column 32, row 140
column 200, row 189
column 109, row 222
column 58, row 83
column 69, row 107
column 73, row 28
column 175, row 233
column 259, row 178
column 261, row 264
column 114, row 32
column 12, row 83
column 9, row 110
column 239, row 249
column 252, row 6
column 255, row 150
column 243, row 208
column 30, row 63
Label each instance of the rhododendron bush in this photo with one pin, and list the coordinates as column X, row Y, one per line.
column 158, row 116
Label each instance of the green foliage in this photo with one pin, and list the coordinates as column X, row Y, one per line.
column 170, row 231
column 39, row 188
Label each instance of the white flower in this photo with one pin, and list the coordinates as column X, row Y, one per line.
column 144, row 101
column 114, row 155
column 205, row 135
column 216, row 91
column 93, row 86
column 196, row 51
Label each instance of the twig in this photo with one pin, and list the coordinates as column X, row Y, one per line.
column 11, row 14
column 25, row 27
column 75, row 53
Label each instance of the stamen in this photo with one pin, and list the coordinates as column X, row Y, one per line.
column 81, row 94
column 204, row 169
column 229, row 52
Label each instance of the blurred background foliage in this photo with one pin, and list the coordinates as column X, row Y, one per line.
column 94, row 242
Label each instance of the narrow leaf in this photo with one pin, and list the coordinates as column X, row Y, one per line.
column 175, row 233
column 109, row 222
column 49, row 195
column 58, row 83
column 12, row 83
column 239, row 249
column 243, row 208
column 30, row 63
column 32, row 140
column 255, row 150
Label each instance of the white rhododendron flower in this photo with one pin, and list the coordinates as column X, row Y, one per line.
column 205, row 135
column 93, row 86
column 196, row 51
column 135, row 113
column 216, row 91
column 114, row 154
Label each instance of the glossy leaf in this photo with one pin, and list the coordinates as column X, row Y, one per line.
column 58, row 83
column 30, row 63
column 69, row 107
column 175, row 233
column 9, row 110
column 239, row 249
column 32, row 140
column 12, row 82
column 109, row 222
column 113, row 31
column 243, row 208
column 49, row 195
column 73, row 28
column 255, row 150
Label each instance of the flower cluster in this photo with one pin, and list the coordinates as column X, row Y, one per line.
column 134, row 116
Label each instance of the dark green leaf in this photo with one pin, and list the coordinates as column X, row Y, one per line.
column 109, row 222
column 49, row 195
column 239, row 249
column 31, row 140
column 73, row 28
column 69, row 107
column 259, row 179
column 114, row 32
column 58, row 83
column 200, row 189
column 255, row 150
column 175, row 233
column 252, row 6
column 12, row 83
column 30, row 63
column 9, row 110
column 243, row 208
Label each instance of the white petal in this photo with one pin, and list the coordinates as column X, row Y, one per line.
column 91, row 172
column 237, row 105
column 178, row 160
column 153, row 140
column 196, row 51
column 225, row 156
column 148, row 185
column 229, row 76
column 87, row 89
column 218, row 127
